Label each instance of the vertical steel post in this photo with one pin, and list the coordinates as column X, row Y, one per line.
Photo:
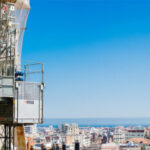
column 8, row 137
column 25, row 72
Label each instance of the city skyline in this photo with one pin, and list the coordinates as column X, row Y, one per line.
column 96, row 56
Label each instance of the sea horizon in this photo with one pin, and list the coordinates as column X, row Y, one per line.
column 97, row 122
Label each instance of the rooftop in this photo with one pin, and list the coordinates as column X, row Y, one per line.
column 139, row 140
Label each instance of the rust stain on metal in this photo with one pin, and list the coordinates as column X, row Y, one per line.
column 20, row 138
column 11, row 1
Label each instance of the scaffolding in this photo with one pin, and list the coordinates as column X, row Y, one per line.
column 7, row 39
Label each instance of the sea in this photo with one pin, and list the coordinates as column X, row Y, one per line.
column 97, row 122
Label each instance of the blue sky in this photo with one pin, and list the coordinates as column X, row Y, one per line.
column 96, row 55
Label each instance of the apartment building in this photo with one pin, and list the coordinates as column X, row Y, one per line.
column 134, row 133
column 119, row 135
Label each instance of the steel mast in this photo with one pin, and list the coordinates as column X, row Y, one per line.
column 21, row 96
